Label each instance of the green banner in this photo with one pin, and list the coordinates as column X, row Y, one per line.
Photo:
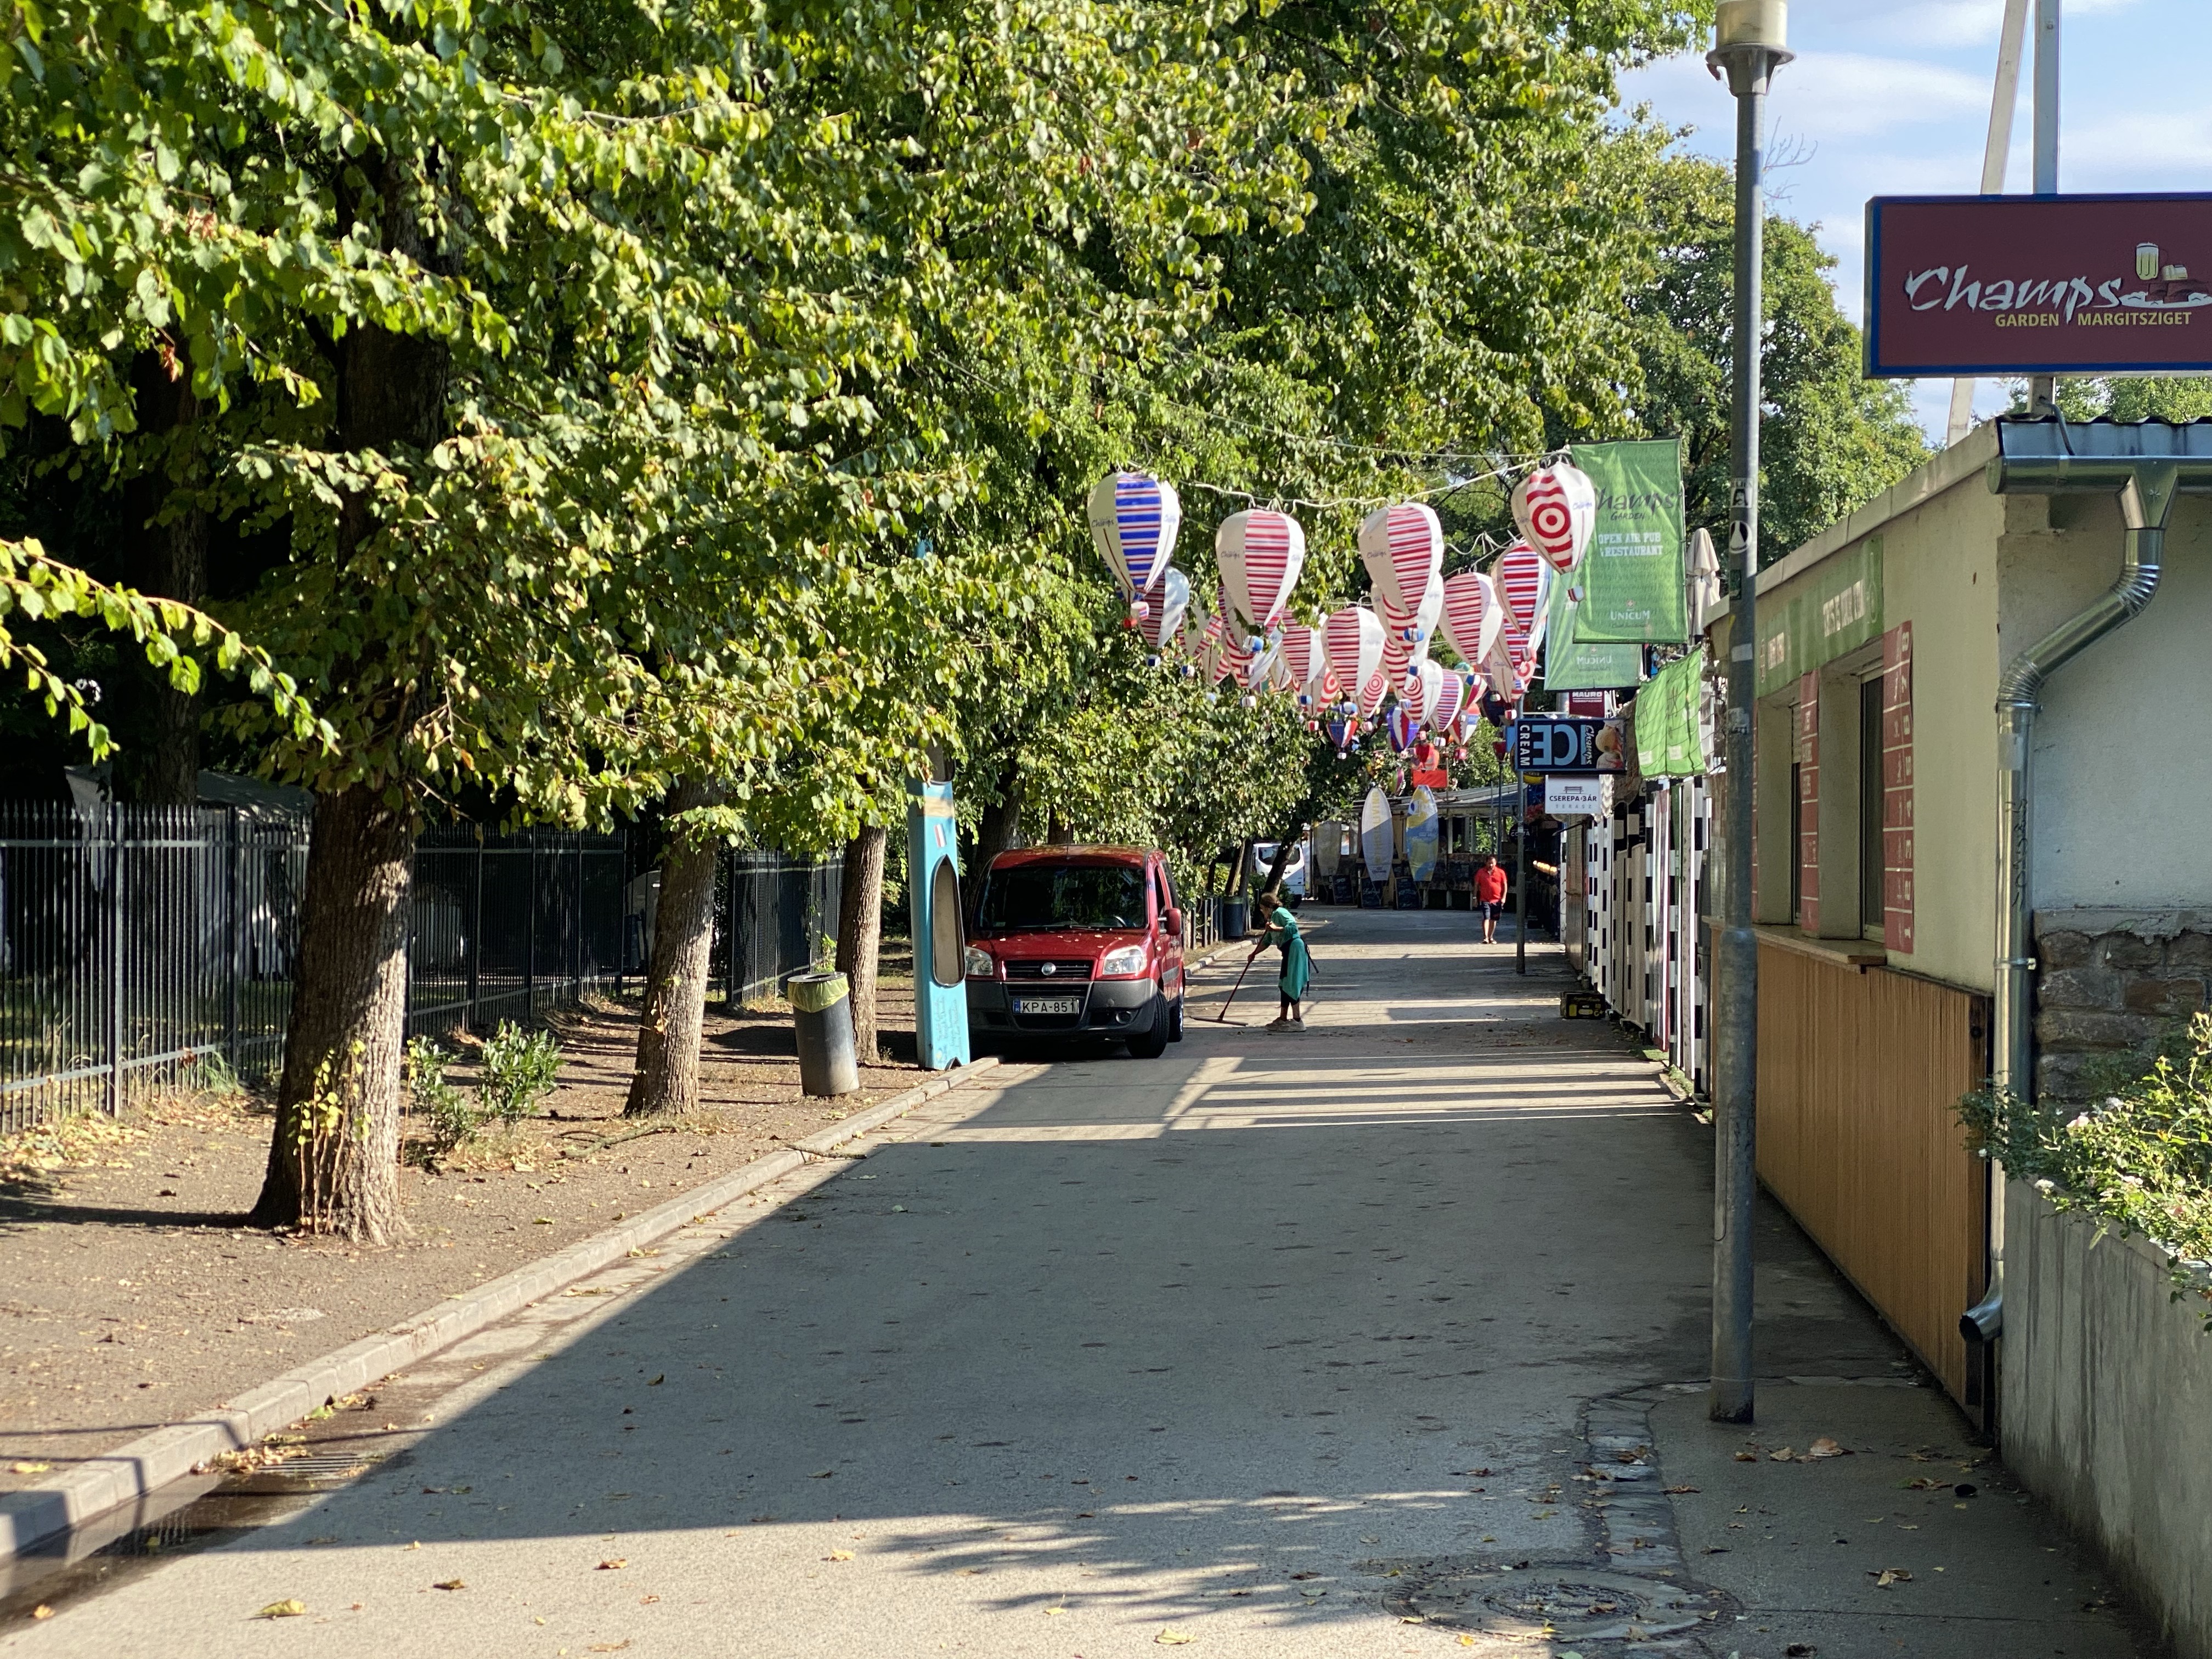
column 1631, row 580
column 1836, row 607
column 1670, row 739
column 1571, row 663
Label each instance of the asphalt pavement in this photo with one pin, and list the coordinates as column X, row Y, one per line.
column 1378, row 1339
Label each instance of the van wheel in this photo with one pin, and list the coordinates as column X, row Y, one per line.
column 1175, row 1021
column 1152, row 1044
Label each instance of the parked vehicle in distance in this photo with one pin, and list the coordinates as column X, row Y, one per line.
column 1294, row 871
column 1078, row 942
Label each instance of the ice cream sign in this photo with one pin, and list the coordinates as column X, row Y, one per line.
column 2038, row 284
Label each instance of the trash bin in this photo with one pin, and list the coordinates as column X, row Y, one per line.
column 821, row 1018
column 1235, row 918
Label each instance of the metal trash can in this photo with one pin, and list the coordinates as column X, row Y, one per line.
column 1235, row 918
column 822, row 1018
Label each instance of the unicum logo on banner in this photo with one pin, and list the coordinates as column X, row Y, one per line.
column 1969, row 285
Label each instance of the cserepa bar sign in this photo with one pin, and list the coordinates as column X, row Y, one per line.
column 1970, row 285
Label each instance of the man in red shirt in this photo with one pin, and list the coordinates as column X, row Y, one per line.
column 1490, row 895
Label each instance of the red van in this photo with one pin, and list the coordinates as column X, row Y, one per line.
column 1078, row 941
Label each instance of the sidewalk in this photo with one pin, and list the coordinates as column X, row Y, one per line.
column 1379, row 1338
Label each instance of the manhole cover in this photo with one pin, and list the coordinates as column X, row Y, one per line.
column 1577, row 1606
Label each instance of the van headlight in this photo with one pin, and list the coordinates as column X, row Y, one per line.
column 1126, row 963
column 982, row 964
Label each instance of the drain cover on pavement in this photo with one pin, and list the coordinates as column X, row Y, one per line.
column 1565, row 1603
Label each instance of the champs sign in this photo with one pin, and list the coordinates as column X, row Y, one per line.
column 1968, row 285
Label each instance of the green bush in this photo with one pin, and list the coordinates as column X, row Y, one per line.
column 447, row 1120
column 2140, row 1160
column 519, row 1069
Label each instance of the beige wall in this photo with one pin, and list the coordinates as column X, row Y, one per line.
column 2123, row 794
column 1939, row 557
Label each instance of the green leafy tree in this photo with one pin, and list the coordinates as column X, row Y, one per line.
column 1831, row 439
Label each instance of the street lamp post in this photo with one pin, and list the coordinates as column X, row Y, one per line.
column 1750, row 43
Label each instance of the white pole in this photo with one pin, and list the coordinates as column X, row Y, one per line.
column 2043, row 389
column 2011, row 45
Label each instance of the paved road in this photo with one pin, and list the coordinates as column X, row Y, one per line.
column 1277, row 1343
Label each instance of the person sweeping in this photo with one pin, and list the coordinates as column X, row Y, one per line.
column 1281, row 930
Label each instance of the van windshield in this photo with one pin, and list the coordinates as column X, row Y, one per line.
column 1046, row 897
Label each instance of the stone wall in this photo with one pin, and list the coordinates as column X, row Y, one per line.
column 2111, row 985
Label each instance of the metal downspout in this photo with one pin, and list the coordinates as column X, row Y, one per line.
column 2146, row 502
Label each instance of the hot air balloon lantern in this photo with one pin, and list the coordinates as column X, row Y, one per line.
column 1300, row 655
column 1402, row 547
column 1403, row 726
column 1259, row 552
column 1556, row 508
column 1442, row 712
column 1520, row 580
column 1133, row 521
column 1171, row 603
column 1352, row 640
column 1472, row 615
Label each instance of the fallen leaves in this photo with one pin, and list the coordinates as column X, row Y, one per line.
column 1677, row 1492
column 608, row 1647
column 612, row 1564
column 1169, row 1637
column 290, row 1607
column 1820, row 1450
column 28, row 1468
column 838, row 1555
column 42, row 1610
column 1747, row 1457
column 450, row 1584
column 1888, row 1575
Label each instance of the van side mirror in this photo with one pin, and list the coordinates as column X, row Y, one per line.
column 1172, row 920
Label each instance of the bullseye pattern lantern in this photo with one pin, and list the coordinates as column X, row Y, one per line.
column 1133, row 521
column 1402, row 547
column 1170, row 604
column 1556, row 508
column 1352, row 640
column 1259, row 552
column 1473, row 614
column 1424, row 683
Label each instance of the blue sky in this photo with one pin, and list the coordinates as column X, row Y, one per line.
column 1892, row 97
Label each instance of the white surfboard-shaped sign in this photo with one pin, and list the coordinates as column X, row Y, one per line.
column 1378, row 840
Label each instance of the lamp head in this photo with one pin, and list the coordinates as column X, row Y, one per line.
column 1752, row 23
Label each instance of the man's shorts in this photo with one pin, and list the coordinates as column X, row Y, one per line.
column 1491, row 912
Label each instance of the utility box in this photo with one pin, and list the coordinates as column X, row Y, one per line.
column 941, row 940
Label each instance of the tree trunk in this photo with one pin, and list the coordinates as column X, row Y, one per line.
column 334, row 1159
column 1284, row 848
column 334, row 1163
column 1000, row 828
column 159, row 764
column 861, row 931
column 666, row 1079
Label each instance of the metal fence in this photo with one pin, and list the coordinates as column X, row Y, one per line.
column 772, row 917
column 136, row 942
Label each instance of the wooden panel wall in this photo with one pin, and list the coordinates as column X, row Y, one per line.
column 1859, row 1073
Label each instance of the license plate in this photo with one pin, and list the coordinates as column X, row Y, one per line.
column 1048, row 1004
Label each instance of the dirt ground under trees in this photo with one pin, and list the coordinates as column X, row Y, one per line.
column 131, row 1296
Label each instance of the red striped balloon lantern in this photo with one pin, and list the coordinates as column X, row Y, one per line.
column 1556, row 508
column 1301, row 653
column 1402, row 547
column 1442, row 712
column 1473, row 613
column 1352, row 640
column 1402, row 727
column 1170, row 604
column 1133, row 521
column 1424, row 684
column 1260, row 553
column 1520, row 577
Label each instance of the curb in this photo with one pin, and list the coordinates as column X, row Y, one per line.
column 33, row 1514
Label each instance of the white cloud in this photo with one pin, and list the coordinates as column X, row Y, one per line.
column 1844, row 94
